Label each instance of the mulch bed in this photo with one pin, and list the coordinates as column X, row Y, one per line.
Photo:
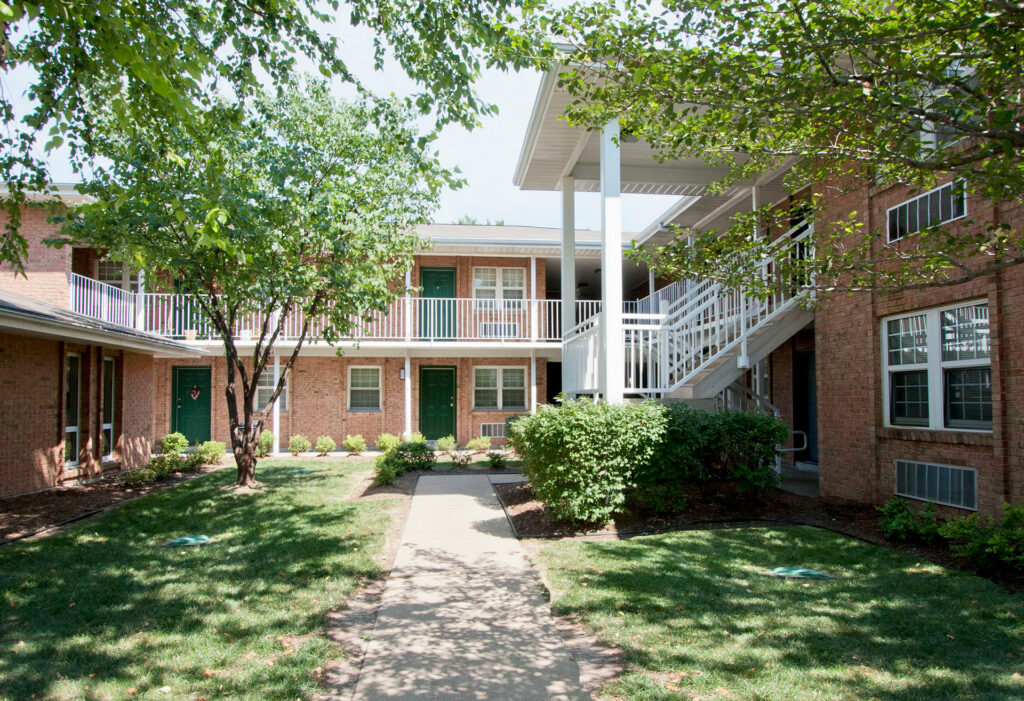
column 28, row 513
column 530, row 520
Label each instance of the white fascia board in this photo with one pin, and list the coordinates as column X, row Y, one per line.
column 540, row 108
column 41, row 327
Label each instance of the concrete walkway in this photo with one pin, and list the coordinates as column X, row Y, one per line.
column 462, row 615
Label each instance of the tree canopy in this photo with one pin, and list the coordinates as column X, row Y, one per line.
column 292, row 212
column 849, row 92
column 164, row 62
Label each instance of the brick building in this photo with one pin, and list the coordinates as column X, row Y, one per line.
column 916, row 394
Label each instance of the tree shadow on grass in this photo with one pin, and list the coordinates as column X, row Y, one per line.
column 885, row 627
column 104, row 607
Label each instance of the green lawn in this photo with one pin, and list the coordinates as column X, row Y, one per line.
column 695, row 618
column 100, row 609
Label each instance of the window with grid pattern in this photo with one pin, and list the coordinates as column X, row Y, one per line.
column 265, row 390
column 364, row 389
column 939, row 206
column 493, row 284
column 499, row 388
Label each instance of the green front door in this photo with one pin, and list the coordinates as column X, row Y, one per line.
column 437, row 402
column 190, row 407
column 437, row 311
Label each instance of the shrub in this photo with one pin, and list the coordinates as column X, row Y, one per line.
column 385, row 471
column 410, row 457
column 354, row 444
column 387, row 441
column 460, row 458
column 580, row 456
column 417, row 438
column 172, row 443
column 478, row 444
column 446, row 444
column 498, row 460
column 137, row 477
column 299, row 444
column 211, row 452
column 265, row 444
column 167, row 464
column 324, row 445
column 899, row 522
column 701, row 446
column 987, row 542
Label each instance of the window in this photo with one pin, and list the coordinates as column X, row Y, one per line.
column 499, row 388
column 107, row 408
column 72, row 407
column 492, row 284
column 265, row 390
column 938, row 206
column 938, row 368
column 364, row 389
column 117, row 274
column 942, row 484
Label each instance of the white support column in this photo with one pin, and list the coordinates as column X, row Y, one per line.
column 650, row 281
column 568, row 253
column 140, row 303
column 408, row 314
column 534, row 311
column 755, row 202
column 533, row 381
column 408, row 398
column 277, row 406
column 613, row 357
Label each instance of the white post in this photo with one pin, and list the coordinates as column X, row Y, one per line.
column 277, row 406
column 408, row 315
column 533, row 381
column 650, row 281
column 613, row 356
column 140, row 303
column 533, row 299
column 408, row 398
column 568, row 253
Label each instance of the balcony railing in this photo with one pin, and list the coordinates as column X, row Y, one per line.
column 414, row 319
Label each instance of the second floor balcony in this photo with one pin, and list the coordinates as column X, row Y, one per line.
column 407, row 320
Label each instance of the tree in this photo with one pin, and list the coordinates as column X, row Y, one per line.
column 848, row 92
column 298, row 213
column 162, row 63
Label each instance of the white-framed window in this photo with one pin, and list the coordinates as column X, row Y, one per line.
column 107, row 407
column 939, row 206
column 117, row 274
column 499, row 388
column 265, row 390
column 493, row 284
column 937, row 368
column 72, row 407
column 364, row 388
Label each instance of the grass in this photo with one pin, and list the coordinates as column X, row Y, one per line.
column 101, row 611
column 695, row 617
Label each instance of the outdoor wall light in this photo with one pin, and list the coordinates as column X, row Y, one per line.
column 401, row 373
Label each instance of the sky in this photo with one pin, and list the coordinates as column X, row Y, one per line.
column 487, row 156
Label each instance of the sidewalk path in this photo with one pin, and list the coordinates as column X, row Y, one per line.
column 462, row 615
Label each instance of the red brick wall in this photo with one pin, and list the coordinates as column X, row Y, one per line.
column 857, row 451
column 318, row 397
column 46, row 269
column 32, row 412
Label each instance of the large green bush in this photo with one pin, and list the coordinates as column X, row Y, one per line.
column 899, row 522
column 580, row 456
column 211, row 452
column 404, row 457
column 989, row 543
column 708, row 447
column 172, row 443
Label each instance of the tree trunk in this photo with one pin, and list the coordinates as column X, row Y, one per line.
column 243, row 444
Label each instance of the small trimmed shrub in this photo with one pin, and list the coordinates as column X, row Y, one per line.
column 478, row 445
column 417, row 438
column 172, row 443
column 385, row 471
column 580, row 456
column 446, row 444
column 354, row 444
column 460, row 458
column 989, row 543
column 386, row 442
column 324, row 445
column 497, row 460
column 137, row 477
column 265, row 444
column 413, row 457
column 899, row 522
column 299, row 444
column 211, row 452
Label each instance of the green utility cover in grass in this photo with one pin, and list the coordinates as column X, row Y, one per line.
column 799, row 573
column 184, row 540
column 299, row 471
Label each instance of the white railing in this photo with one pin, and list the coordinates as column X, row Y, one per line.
column 674, row 334
column 102, row 301
column 587, row 309
column 406, row 320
